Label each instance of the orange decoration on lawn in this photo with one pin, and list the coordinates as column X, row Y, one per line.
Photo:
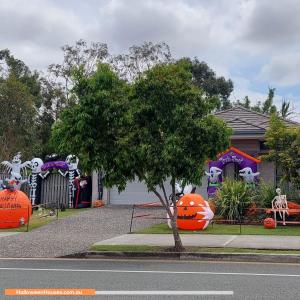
column 193, row 212
column 98, row 203
column 269, row 223
column 15, row 209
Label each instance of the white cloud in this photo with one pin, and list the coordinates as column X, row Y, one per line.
column 231, row 36
column 282, row 70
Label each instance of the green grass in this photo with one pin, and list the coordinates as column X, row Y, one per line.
column 36, row 221
column 227, row 229
column 143, row 248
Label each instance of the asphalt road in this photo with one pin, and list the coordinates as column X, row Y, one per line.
column 246, row 280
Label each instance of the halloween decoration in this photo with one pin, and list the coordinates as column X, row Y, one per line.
column 35, row 180
column 248, row 175
column 269, row 223
column 98, row 203
column 193, row 212
column 181, row 189
column 16, row 169
column 279, row 203
column 214, row 176
column 83, row 187
column 15, row 208
column 72, row 172
column 246, row 163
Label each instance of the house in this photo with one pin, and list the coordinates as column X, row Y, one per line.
column 247, row 145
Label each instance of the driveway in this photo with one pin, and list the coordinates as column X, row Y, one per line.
column 74, row 234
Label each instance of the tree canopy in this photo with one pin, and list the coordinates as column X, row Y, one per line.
column 284, row 149
column 158, row 129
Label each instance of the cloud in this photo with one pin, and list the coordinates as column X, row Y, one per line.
column 273, row 23
column 256, row 39
column 282, row 70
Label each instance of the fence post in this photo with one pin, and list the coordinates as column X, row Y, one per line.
column 133, row 206
column 28, row 218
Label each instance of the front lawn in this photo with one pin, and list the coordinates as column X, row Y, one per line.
column 37, row 221
column 227, row 229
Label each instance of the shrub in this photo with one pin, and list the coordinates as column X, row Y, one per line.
column 233, row 199
column 263, row 194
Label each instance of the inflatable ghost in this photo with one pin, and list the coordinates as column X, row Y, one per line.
column 248, row 175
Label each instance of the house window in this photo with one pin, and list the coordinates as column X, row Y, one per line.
column 263, row 146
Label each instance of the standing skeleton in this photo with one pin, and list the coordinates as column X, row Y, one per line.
column 35, row 180
column 73, row 172
column 279, row 203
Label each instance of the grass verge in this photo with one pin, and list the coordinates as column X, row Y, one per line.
column 143, row 248
column 37, row 221
column 227, row 229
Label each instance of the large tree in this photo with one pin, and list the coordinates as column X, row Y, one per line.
column 284, row 149
column 158, row 130
column 18, row 116
column 207, row 80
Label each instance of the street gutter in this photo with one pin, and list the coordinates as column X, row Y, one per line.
column 200, row 256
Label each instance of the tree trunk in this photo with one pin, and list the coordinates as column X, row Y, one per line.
column 178, row 247
column 178, row 243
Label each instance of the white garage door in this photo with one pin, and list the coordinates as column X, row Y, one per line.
column 135, row 193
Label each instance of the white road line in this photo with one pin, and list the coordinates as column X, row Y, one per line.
column 169, row 293
column 229, row 241
column 153, row 272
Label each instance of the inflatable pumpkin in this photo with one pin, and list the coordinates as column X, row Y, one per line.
column 15, row 208
column 193, row 212
column 269, row 223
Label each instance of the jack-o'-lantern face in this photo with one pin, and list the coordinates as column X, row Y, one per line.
column 193, row 212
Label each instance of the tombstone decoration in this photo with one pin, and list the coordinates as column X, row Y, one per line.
column 16, row 169
column 35, row 180
column 72, row 172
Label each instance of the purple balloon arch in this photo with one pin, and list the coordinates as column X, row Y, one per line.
column 232, row 155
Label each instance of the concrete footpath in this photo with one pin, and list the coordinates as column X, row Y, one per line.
column 209, row 240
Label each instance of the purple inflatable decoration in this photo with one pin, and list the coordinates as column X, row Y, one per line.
column 232, row 155
column 60, row 165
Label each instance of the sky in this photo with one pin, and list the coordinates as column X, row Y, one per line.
column 255, row 43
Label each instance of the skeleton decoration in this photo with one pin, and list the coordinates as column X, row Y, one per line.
column 183, row 189
column 35, row 180
column 16, row 168
column 73, row 171
column 280, row 204
column 213, row 175
column 248, row 175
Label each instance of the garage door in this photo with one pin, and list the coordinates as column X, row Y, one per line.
column 135, row 193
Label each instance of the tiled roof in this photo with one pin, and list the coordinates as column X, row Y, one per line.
column 246, row 121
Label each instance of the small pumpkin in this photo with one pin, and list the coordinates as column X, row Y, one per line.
column 98, row 203
column 193, row 212
column 269, row 223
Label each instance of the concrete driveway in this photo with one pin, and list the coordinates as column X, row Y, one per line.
column 73, row 234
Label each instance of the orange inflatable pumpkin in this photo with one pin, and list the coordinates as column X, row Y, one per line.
column 269, row 223
column 193, row 212
column 15, row 209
